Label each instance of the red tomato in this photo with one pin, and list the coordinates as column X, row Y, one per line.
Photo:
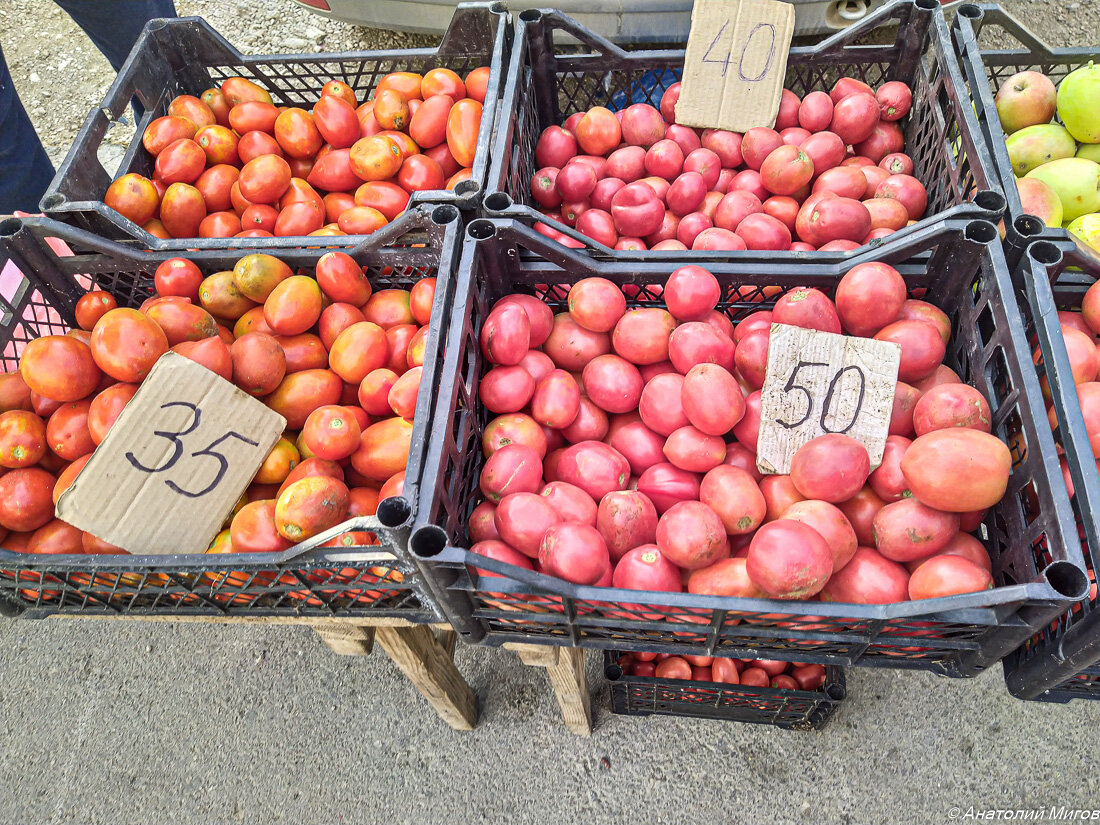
column 94, row 305
column 477, row 83
column 419, row 173
column 297, row 134
column 948, row 576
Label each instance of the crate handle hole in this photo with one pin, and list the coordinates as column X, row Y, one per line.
column 52, row 201
column 970, row 11
column 1028, row 225
column 481, row 230
column 467, row 187
column 982, row 232
column 836, row 692
column 394, row 511
column 499, row 8
column 443, row 215
column 1045, row 253
column 1068, row 580
column 928, row 5
column 497, row 202
column 530, row 15
column 991, row 201
column 9, row 226
column 428, row 541
column 613, row 673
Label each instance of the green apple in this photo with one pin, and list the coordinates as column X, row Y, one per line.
column 1076, row 182
column 1033, row 146
column 1079, row 103
column 1025, row 99
column 1040, row 200
column 1087, row 230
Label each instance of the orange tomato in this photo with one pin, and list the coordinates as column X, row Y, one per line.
column 391, row 109
column 134, row 197
column 388, row 198
column 293, row 306
column 257, row 144
column 215, row 186
column 216, row 102
column 193, row 109
column 457, row 178
column 463, row 124
column 339, row 89
column 264, row 179
column 182, row 210
column 219, row 225
column 375, row 158
column 357, row 351
column 336, row 121
column 383, row 449
column 405, row 143
column 361, row 220
column 166, row 130
column 253, row 116
column 477, row 83
column 279, row 462
column 126, row 343
column 239, row 89
column 60, row 367
column 442, row 82
column 406, row 83
column 297, row 133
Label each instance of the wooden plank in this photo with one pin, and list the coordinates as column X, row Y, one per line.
column 429, row 667
column 347, row 639
column 535, row 655
column 570, row 685
column 565, row 669
column 447, row 640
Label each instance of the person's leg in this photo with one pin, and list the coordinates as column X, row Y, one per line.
column 25, row 168
column 115, row 26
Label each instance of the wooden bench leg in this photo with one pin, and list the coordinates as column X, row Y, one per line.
column 429, row 666
column 565, row 669
column 347, row 639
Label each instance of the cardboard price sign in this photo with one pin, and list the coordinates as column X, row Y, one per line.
column 818, row 383
column 735, row 63
column 175, row 462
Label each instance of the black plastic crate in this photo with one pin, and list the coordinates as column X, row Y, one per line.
column 308, row 580
column 985, row 70
column 1037, row 563
column 801, row 710
column 187, row 56
column 549, row 82
column 1062, row 661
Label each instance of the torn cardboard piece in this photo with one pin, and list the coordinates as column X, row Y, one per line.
column 735, row 64
column 818, row 383
column 175, row 462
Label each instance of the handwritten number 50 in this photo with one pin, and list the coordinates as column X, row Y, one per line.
column 827, row 404
column 174, row 436
column 769, row 31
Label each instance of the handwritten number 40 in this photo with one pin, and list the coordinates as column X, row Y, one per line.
column 766, row 30
column 177, row 451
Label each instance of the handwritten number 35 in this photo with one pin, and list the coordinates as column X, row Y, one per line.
column 178, row 449
column 767, row 30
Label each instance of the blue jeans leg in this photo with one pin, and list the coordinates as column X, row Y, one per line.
column 25, row 168
column 115, row 26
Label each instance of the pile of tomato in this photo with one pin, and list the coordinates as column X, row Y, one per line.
column 233, row 164
column 623, row 450
column 339, row 360
column 748, row 672
column 831, row 175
